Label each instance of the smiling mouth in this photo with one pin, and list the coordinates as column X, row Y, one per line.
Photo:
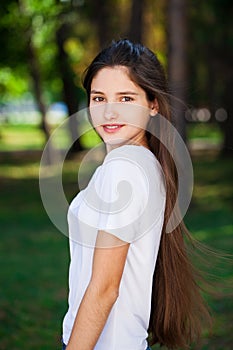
column 112, row 127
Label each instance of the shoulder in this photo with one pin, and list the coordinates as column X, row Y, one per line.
column 133, row 167
column 130, row 151
column 132, row 160
column 127, row 162
column 133, row 153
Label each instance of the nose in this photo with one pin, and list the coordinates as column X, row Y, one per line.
column 110, row 111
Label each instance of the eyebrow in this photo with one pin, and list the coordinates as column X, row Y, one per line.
column 93, row 92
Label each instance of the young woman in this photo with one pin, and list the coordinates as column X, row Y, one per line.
column 130, row 282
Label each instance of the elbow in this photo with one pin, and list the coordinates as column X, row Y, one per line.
column 113, row 294
column 109, row 292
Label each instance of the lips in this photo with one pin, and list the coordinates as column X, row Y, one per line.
column 111, row 128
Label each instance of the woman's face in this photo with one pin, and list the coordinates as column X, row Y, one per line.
column 119, row 108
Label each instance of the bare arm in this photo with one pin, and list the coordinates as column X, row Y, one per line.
column 101, row 293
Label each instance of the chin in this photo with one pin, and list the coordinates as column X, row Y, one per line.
column 116, row 142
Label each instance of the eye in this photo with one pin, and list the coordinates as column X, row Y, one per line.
column 126, row 99
column 98, row 99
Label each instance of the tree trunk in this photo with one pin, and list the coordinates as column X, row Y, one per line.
column 104, row 15
column 34, row 69
column 49, row 155
column 177, row 61
column 226, row 76
column 35, row 74
column 228, row 124
column 70, row 94
column 136, row 21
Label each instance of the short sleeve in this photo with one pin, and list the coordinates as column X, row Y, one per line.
column 126, row 195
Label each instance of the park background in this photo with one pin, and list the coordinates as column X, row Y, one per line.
column 45, row 46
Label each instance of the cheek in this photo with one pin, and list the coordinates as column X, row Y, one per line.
column 141, row 119
column 96, row 115
column 134, row 114
column 99, row 130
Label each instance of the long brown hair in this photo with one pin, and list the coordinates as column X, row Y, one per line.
column 177, row 307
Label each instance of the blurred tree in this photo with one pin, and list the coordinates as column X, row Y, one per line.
column 177, row 60
column 67, row 74
column 22, row 43
column 104, row 16
column 29, row 29
column 136, row 26
column 211, row 57
column 12, row 56
column 155, row 28
column 34, row 67
column 52, row 40
column 111, row 19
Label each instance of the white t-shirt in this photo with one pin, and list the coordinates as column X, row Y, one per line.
column 125, row 197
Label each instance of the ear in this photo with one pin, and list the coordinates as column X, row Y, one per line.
column 154, row 107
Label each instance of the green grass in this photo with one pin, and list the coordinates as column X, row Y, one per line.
column 33, row 261
column 21, row 137
column 34, row 255
column 30, row 137
column 208, row 131
column 210, row 219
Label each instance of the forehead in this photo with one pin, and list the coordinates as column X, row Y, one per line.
column 113, row 77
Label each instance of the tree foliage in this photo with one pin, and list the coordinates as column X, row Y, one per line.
column 63, row 36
